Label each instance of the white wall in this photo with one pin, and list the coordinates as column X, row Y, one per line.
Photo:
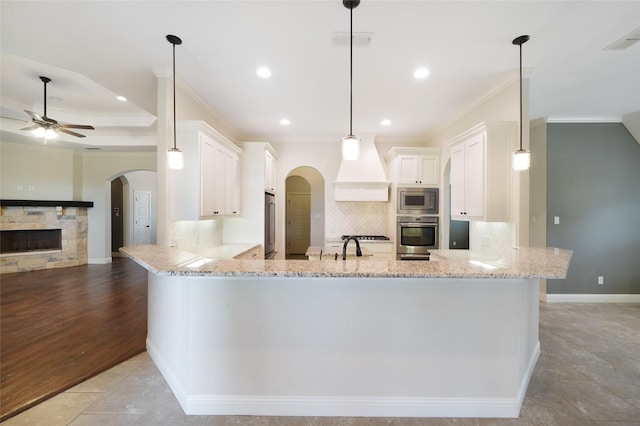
column 99, row 169
column 43, row 172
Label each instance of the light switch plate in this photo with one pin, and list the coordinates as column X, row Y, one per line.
column 556, row 220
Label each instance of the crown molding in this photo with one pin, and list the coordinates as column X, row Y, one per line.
column 586, row 119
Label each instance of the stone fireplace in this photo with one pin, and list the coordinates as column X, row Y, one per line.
column 42, row 234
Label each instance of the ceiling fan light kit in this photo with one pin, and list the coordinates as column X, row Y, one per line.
column 522, row 157
column 48, row 128
column 350, row 143
column 175, row 159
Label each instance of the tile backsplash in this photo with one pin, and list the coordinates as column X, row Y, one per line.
column 190, row 235
column 492, row 238
column 356, row 218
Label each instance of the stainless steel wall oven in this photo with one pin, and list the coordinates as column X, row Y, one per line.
column 415, row 236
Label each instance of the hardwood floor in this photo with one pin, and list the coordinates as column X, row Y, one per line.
column 61, row 326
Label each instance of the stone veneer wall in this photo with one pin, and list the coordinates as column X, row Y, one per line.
column 74, row 223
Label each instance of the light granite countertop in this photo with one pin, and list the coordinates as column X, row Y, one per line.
column 550, row 263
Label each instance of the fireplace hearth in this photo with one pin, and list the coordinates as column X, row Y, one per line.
column 29, row 240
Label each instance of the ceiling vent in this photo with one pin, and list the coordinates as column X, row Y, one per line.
column 359, row 39
column 626, row 41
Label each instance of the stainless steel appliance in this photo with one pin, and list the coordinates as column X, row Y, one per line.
column 417, row 201
column 415, row 236
column 366, row 237
column 269, row 225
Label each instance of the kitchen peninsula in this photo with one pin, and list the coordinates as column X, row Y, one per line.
column 454, row 337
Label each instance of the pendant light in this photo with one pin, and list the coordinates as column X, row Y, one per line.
column 521, row 158
column 350, row 143
column 174, row 155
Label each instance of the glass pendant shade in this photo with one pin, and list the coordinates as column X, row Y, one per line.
column 521, row 160
column 46, row 133
column 350, row 148
column 175, row 159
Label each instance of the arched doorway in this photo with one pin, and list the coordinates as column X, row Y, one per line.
column 132, row 207
column 304, row 211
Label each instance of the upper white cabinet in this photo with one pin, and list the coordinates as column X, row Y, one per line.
column 209, row 184
column 414, row 166
column 270, row 168
column 481, row 172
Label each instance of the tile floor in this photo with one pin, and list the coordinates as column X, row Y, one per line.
column 588, row 374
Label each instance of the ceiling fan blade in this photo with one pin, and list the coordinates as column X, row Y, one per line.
column 69, row 132
column 76, row 126
column 35, row 126
column 34, row 115
column 16, row 119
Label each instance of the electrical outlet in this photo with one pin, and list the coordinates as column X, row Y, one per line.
column 31, row 187
column 19, row 188
column 556, row 220
column 600, row 279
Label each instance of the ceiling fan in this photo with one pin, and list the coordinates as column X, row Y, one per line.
column 46, row 127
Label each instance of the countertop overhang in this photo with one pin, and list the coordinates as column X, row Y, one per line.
column 527, row 263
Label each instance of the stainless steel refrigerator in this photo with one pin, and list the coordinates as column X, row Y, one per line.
column 269, row 225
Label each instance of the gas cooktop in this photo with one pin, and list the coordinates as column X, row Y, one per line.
column 367, row 237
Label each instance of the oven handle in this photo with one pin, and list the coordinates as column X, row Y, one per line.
column 414, row 256
column 418, row 225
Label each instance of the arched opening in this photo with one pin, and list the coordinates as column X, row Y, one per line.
column 132, row 209
column 304, row 211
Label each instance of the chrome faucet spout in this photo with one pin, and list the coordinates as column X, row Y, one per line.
column 344, row 247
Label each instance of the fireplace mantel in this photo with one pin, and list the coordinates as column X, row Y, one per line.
column 45, row 203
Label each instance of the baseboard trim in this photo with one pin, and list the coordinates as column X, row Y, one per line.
column 365, row 406
column 102, row 261
column 592, row 298
column 168, row 374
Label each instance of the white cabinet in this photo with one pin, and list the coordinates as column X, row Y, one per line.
column 253, row 253
column 380, row 250
column 209, row 184
column 481, row 173
column 414, row 166
column 270, row 168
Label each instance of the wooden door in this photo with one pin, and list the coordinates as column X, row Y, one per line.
column 298, row 229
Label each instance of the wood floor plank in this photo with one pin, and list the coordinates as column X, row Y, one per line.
column 59, row 327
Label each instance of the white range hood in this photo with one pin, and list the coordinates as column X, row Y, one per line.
column 363, row 179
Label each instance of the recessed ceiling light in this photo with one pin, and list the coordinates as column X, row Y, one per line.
column 285, row 122
column 263, row 72
column 385, row 122
column 121, row 98
column 421, row 73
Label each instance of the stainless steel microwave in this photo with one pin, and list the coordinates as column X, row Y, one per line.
column 417, row 200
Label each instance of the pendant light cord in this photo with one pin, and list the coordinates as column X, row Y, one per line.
column 520, row 96
column 351, row 76
column 174, row 96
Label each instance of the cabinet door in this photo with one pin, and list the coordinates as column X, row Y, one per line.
column 269, row 172
column 407, row 170
column 429, row 170
column 474, row 177
column 208, row 166
column 232, row 185
column 458, row 181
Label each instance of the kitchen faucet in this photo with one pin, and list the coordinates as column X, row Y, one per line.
column 344, row 247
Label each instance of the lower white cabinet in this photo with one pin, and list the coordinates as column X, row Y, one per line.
column 209, row 185
column 380, row 250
